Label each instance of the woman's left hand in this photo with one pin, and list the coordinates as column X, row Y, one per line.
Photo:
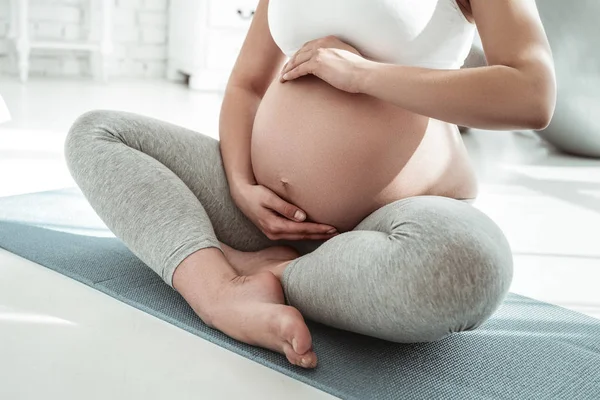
column 330, row 59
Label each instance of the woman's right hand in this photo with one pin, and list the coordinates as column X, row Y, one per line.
column 275, row 217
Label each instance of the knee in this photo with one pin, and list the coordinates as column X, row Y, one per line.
column 86, row 128
column 455, row 276
column 479, row 292
column 478, row 272
column 452, row 296
column 486, row 272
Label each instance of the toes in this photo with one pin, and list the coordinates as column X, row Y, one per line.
column 297, row 342
column 295, row 332
column 307, row 360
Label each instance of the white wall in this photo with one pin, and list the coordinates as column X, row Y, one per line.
column 139, row 29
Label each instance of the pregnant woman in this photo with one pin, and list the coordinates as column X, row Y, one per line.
column 339, row 190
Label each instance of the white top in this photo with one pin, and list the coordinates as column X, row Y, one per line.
column 423, row 33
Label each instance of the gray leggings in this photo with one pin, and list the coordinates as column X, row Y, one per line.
column 415, row 270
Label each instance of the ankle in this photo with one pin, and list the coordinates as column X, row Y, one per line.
column 201, row 279
column 209, row 263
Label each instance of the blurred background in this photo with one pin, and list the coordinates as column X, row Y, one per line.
column 170, row 59
column 59, row 58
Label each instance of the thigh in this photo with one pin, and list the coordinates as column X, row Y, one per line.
column 195, row 159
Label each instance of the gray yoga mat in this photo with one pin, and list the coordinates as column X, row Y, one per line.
column 527, row 350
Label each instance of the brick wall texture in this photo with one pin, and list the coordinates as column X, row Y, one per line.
column 139, row 32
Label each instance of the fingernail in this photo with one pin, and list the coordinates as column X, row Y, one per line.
column 304, row 362
column 332, row 231
column 285, row 76
column 295, row 345
column 299, row 215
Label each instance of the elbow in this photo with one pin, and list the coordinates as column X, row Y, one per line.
column 540, row 116
column 535, row 114
column 538, row 110
column 542, row 95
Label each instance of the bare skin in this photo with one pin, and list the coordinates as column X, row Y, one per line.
column 273, row 259
column 247, row 308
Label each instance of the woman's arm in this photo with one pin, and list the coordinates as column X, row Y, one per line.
column 517, row 90
column 257, row 65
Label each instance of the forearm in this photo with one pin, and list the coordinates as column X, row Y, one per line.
column 495, row 97
column 235, row 133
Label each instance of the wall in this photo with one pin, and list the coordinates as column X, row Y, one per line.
column 139, row 37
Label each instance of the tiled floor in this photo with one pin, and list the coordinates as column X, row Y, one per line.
column 61, row 339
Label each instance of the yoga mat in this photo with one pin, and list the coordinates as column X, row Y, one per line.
column 527, row 350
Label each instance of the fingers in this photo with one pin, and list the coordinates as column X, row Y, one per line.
column 284, row 208
column 277, row 228
column 292, row 236
column 304, row 64
column 307, row 228
column 282, row 220
column 306, row 60
column 301, row 70
column 300, row 57
column 300, row 236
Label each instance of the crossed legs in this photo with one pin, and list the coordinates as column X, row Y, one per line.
column 415, row 270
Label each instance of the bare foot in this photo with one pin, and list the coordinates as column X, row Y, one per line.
column 273, row 259
column 251, row 309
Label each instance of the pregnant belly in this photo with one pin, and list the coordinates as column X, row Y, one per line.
column 341, row 156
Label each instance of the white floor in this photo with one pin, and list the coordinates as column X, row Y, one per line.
column 63, row 340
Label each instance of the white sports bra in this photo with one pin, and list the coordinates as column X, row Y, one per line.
column 423, row 33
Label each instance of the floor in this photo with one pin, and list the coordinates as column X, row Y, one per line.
column 547, row 204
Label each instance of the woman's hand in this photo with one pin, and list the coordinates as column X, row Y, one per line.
column 330, row 59
column 275, row 217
